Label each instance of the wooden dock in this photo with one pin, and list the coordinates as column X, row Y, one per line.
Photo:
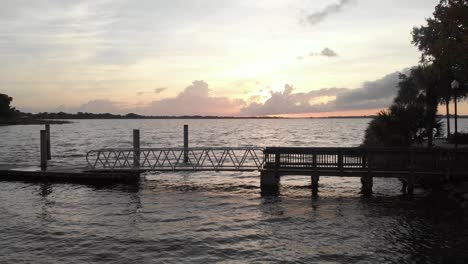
column 355, row 161
column 126, row 164
column 32, row 173
column 408, row 164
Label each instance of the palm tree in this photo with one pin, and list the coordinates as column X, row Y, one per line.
column 444, row 90
column 426, row 79
column 412, row 116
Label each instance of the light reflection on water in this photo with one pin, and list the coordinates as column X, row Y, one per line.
column 213, row 217
column 70, row 142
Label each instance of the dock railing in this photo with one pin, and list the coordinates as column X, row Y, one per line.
column 177, row 159
column 379, row 160
column 326, row 161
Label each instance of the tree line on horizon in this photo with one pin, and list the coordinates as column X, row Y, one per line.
column 412, row 117
column 8, row 113
column 6, row 110
column 85, row 115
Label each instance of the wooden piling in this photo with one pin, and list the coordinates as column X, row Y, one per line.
column 49, row 155
column 136, row 147
column 269, row 183
column 315, row 175
column 43, row 149
column 277, row 164
column 186, row 144
column 367, row 180
column 315, row 180
column 269, row 179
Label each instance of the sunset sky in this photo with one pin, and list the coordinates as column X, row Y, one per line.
column 207, row 57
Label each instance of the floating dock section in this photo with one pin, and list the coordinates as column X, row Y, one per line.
column 8, row 173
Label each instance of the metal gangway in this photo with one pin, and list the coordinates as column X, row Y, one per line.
column 176, row 159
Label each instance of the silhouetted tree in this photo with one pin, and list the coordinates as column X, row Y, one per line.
column 411, row 117
column 388, row 129
column 426, row 81
column 444, row 42
column 6, row 111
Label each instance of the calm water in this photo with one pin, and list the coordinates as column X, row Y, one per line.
column 215, row 217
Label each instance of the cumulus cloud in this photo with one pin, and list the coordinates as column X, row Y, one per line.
column 317, row 17
column 287, row 102
column 94, row 106
column 194, row 100
column 160, row 90
column 197, row 99
column 326, row 52
column 373, row 94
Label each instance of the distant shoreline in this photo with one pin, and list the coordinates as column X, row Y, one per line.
column 80, row 115
column 30, row 121
column 222, row 117
column 59, row 118
column 36, row 120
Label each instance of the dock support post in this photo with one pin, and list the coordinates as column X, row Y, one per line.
column 367, row 180
column 136, row 147
column 315, row 180
column 315, row 175
column 186, row 144
column 43, row 148
column 49, row 155
column 269, row 183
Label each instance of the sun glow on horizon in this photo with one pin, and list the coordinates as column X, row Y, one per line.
column 245, row 51
column 364, row 112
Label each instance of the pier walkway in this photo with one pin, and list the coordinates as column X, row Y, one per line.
column 126, row 164
column 408, row 164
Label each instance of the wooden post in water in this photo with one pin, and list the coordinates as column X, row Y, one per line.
column 366, row 179
column 315, row 175
column 136, row 147
column 270, row 178
column 43, row 149
column 49, row 155
column 269, row 183
column 277, row 164
column 186, row 141
column 315, row 180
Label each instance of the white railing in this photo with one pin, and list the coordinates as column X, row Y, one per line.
column 177, row 159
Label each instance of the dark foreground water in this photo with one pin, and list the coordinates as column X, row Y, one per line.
column 216, row 217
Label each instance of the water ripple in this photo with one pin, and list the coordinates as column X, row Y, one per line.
column 215, row 217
